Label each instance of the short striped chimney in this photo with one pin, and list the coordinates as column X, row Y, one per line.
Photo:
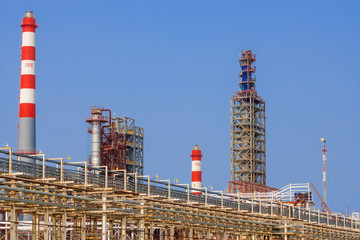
column 196, row 169
column 27, row 110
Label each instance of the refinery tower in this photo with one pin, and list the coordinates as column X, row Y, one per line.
column 248, row 146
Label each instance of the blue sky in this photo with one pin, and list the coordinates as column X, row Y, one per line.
column 172, row 65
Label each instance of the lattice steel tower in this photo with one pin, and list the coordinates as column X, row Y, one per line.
column 248, row 148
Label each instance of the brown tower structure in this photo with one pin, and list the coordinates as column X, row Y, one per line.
column 248, row 146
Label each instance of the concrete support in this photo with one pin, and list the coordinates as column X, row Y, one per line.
column 191, row 233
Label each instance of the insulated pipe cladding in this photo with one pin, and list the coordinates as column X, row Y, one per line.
column 27, row 109
column 96, row 120
column 196, row 169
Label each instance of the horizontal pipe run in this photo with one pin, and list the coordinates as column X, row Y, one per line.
column 43, row 203
column 208, row 216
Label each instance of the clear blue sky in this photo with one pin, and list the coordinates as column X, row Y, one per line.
column 172, row 65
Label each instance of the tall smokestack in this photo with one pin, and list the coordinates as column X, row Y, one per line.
column 27, row 112
column 196, row 169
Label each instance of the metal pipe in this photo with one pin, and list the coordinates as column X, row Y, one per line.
column 109, row 121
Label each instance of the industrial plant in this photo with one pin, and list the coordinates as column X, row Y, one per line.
column 109, row 196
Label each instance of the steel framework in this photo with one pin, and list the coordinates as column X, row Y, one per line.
column 248, row 146
column 134, row 143
column 119, row 144
column 68, row 201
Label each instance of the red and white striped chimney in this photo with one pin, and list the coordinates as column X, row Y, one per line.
column 196, row 169
column 27, row 112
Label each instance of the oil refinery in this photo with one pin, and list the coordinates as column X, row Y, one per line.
column 109, row 196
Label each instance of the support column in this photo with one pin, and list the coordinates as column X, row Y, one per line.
column 191, row 233
column 63, row 226
column 111, row 228
column 104, row 218
column 83, row 227
column 13, row 223
column 33, row 227
column 37, row 226
column 208, row 233
column 46, row 224
column 141, row 223
column 53, row 227
column 146, row 231
column 151, row 231
column 140, row 229
column 166, row 234
column 172, row 232
column 123, row 228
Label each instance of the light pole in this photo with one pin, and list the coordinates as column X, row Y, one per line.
column 324, row 169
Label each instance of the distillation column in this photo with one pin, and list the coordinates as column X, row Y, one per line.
column 248, row 153
column 96, row 121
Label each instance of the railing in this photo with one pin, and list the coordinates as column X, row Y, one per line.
column 77, row 174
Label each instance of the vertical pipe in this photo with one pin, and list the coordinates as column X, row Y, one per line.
column 27, row 109
column 95, row 143
column 196, row 169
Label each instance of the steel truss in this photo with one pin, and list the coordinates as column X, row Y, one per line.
column 70, row 201
column 248, row 146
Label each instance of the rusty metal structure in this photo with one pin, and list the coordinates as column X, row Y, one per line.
column 117, row 142
column 248, row 144
column 134, row 136
column 67, row 201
